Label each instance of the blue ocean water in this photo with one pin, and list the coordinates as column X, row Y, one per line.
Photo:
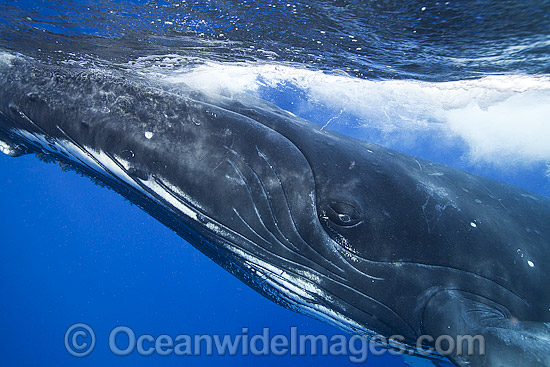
column 464, row 83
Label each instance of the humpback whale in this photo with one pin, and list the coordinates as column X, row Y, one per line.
column 367, row 239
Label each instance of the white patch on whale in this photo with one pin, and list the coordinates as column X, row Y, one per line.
column 102, row 163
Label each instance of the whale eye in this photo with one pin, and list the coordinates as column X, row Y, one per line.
column 343, row 213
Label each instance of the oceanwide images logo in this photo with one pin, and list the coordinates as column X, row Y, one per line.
column 80, row 341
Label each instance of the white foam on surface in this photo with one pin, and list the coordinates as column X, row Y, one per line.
column 514, row 130
column 501, row 119
column 6, row 58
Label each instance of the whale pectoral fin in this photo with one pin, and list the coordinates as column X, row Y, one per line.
column 484, row 334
